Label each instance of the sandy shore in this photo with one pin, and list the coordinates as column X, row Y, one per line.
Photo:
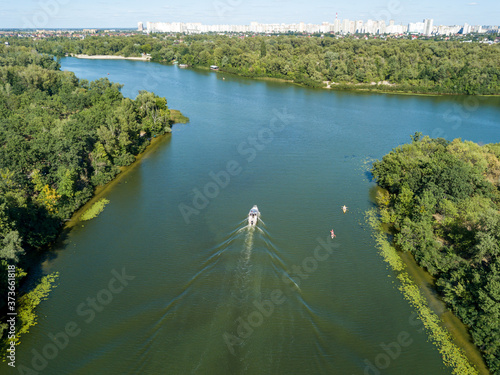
column 111, row 57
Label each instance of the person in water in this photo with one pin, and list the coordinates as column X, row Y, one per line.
column 344, row 208
column 333, row 234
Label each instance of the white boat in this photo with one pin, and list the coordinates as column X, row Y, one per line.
column 253, row 215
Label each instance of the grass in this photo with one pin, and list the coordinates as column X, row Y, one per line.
column 177, row 117
column 95, row 210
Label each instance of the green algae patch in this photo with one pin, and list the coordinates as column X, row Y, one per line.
column 95, row 210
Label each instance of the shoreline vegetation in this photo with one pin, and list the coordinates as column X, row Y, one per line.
column 64, row 140
column 385, row 65
column 378, row 87
column 374, row 87
column 459, row 333
column 452, row 355
column 438, row 202
column 101, row 192
column 94, row 210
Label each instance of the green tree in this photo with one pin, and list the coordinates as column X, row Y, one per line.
column 263, row 49
column 11, row 247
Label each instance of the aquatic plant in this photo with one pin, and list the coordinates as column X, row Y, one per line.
column 452, row 355
column 95, row 210
column 26, row 305
column 29, row 301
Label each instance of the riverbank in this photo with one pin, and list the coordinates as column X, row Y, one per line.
column 314, row 60
column 385, row 87
column 101, row 191
column 382, row 87
column 51, row 199
column 111, row 57
column 36, row 264
column 458, row 331
column 453, row 356
column 432, row 221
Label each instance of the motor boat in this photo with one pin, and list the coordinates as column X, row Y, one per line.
column 253, row 216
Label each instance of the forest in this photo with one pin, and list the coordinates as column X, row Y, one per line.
column 60, row 138
column 398, row 65
column 441, row 201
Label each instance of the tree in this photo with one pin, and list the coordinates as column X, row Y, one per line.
column 11, row 247
column 416, row 137
column 263, row 49
column 146, row 48
column 444, row 209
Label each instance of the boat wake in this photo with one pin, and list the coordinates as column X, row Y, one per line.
column 246, row 274
column 236, row 275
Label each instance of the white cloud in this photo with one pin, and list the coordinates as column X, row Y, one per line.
column 472, row 4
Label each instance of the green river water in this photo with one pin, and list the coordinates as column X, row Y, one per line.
column 169, row 280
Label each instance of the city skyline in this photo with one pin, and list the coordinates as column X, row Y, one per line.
column 126, row 13
column 339, row 26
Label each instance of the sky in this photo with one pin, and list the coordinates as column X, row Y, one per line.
column 127, row 13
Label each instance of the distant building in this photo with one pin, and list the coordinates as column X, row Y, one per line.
column 395, row 29
column 336, row 26
column 325, row 27
column 466, row 29
column 359, row 27
column 370, row 27
column 416, row 28
column 428, row 26
column 382, row 27
column 352, row 27
column 477, row 29
column 344, row 27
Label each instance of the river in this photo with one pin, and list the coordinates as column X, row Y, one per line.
column 169, row 280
